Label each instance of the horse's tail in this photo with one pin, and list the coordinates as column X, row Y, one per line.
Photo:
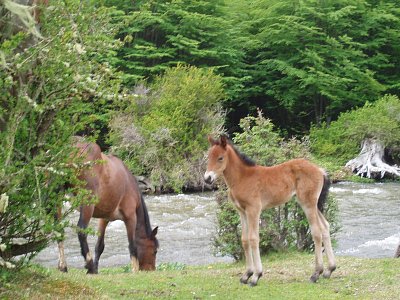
column 324, row 193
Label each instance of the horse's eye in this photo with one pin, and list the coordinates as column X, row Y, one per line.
column 221, row 158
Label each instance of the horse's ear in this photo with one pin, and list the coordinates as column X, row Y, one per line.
column 211, row 140
column 224, row 141
column 154, row 233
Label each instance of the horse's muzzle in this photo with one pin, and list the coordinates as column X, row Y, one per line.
column 209, row 177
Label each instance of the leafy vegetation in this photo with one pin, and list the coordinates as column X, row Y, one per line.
column 52, row 87
column 151, row 79
column 341, row 139
column 161, row 133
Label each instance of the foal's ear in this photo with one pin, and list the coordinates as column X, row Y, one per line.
column 154, row 233
column 212, row 141
column 223, row 141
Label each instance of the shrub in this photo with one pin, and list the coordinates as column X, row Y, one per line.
column 341, row 140
column 161, row 132
column 282, row 227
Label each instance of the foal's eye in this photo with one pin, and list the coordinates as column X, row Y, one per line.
column 221, row 158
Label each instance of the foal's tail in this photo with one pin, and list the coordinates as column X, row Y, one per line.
column 324, row 193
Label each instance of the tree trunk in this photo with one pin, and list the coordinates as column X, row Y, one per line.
column 370, row 162
column 397, row 255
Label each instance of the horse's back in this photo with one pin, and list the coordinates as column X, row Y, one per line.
column 279, row 183
column 110, row 181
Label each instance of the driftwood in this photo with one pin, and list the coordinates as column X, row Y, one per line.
column 370, row 162
column 397, row 254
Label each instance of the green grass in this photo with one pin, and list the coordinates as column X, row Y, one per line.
column 285, row 277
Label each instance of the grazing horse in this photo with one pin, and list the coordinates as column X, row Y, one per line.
column 253, row 188
column 118, row 198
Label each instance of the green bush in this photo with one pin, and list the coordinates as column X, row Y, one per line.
column 341, row 140
column 49, row 91
column 282, row 227
column 161, row 132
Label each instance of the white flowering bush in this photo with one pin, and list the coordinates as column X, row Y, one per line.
column 52, row 86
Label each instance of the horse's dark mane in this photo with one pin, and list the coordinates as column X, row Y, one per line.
column 245, row 159
column 143, row 206
column 146, row 219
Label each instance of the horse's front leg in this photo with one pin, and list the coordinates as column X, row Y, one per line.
column 253, row 220
column 86, row 213
column 100, row 243
column 131, row 232
column 246, row 248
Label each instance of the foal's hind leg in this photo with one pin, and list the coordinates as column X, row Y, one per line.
column 327, row 245
column 316, row 232
column 84, row 218
column 100, row 243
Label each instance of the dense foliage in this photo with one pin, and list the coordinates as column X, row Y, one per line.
column 282, row 227
column 341, row 140
column 301, row 62
column 161, row 131
column 51, row 87
column 307, row 61
column 186, row 68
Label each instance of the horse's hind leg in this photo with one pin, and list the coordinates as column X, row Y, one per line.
column 100, row 243
column 316, row 232
column 131, row 232
column 84, row 218
column 62, row 263
column 327, row 245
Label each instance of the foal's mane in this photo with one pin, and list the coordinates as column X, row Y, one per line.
column 244, row 158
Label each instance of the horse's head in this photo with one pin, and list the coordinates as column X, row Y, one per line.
column 217, row 158
column 147, row 251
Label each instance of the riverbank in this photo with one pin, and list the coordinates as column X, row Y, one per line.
column 285, row 277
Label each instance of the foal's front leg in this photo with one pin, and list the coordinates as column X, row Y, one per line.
column 246, row 248
column 84, row 218
column 253, row 221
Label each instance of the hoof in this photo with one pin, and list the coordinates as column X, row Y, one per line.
column 328, row 273
column 245, row 277
column 63, row 269
column 243, row 281
column 254, row 279
column 252, row 284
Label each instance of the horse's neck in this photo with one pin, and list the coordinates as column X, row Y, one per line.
column 235, row 169
column 141, row 231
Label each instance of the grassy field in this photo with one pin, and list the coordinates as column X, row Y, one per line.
column 285, row 277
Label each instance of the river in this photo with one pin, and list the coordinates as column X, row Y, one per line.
column 368, row 214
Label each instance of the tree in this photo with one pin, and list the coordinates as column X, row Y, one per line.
column 49, row 91
column 308, row 61
column 375, row 127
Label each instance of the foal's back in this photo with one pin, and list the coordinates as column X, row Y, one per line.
column 279, row 183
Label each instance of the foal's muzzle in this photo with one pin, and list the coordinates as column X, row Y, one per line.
column 209, row 177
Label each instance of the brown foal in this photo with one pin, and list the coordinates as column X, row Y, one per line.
column 253, row 188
